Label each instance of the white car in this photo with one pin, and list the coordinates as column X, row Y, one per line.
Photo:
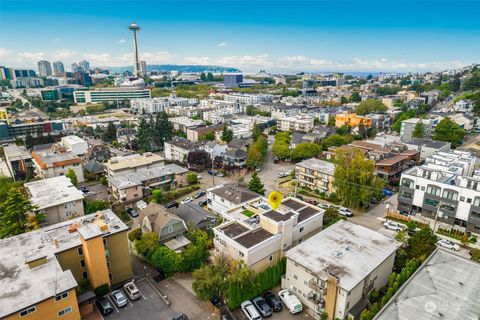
column 448, row 244
column 395, row 226
column 345, row 212
column 249, row 310
column 186, row 200
column 131, row 290
column 290, row 301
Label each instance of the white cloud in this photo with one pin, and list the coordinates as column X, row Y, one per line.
column 102, row 59
column 29, row 57
column 4, row 52
column 56, row 39
column 62, row 54
column 197, row 60
column 157, row 57
column 222, row 44
column 121, row 41
column 246, row 62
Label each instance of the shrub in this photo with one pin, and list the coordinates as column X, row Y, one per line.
column 102, row 290
column 135, row 234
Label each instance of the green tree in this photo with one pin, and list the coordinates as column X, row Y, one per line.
column 203, row 77
column 210, row 280
column 336, row 140
column 70, row 174
column 92, row 206
column 448, row 131
column 227, row 135
column 147, row 245
column 143, row 135
column 111, row 133
column 475, row 256
column 210, row 76
column 410, row 113
column 355, row 180
column 157, row 196
column 167, row 259
column 256, row 132
column 281, row 145
column 29, row 141
column 192, row 178
column 254, row 156
column 421, row 244
column 13, row 213
column 355, row 97
column 256, row 185
column 419, row 130
column 209, row 136
column 305, row 150
column 196, row 253
column 163, row 130
column 371, row 106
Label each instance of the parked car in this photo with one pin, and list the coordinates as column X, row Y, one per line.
column 325, row 205
column 203, row 203
column 181, row 316
column 290, row 301
column 172, row 204
column 104, row 306
column 220, row 174
column 404, row 212
column 273, row 301
column 199, row 194
column 119, row 298
column 258, row 169
column 212, row 172
column 387, row 193
column 395, row 226
column 345, row 212
column 448, row 244
column 131, row 290
column 84, row 189
column 311, row 201
column 132, row 212
column 249, row 311
column 186, row 200
column 262, row 307
column 276, row 159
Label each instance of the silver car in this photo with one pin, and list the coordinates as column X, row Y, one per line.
column 119, row 298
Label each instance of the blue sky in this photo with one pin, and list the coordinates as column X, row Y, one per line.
column 279, row 36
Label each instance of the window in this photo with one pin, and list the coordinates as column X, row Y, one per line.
column 82, row 263
column 422, row 188
column 417, row 187
column 61, row 296
column 476, row 202
column 301, row 229
column 407, row 183
column 80, row 251
column 240, row 253
column 462, row 198
column 469, row 200
column 65, row 311
column 449, row 194
column 104, row 242
column 27, row 311
column 270, row 258
column 433, row 190
column 84, row 275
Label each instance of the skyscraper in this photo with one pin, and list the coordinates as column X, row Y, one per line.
column 58, row 68
column 44, row 68
column 75, row 67
column 84, row 65
column 136, row 65
column 143, row 67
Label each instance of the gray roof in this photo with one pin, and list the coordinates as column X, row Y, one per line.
column 23, row 286
column 15, row 153
column 141, row 175
column 193, row 213
column 235, row 194
column 94, row 166
column 318, row 165
column 236, row 154
column 346, row 250
column 52, row 192
column 429, row 143
column 446, row 286
column 297, row 137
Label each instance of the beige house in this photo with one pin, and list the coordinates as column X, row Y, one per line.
column 57, row 198
column 132, row 163
column 169, row 227
column 315, row 174
column 302, row 123
column 259, row 235
column 335, row 271
column 49, row 164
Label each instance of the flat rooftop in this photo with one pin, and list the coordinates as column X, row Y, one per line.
column 233, row 230
column 52, row 192
column 15, row 153
column 318, row 165
column 445, row 286
column 50, row 158
column 306, row 213
column 144, row 174
column 277, row 216
column 234, row 194
column 253, row 237
column 133, row 161
column 346, row 250
column 23, row 286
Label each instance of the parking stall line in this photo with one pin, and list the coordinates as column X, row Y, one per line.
column 113, row 304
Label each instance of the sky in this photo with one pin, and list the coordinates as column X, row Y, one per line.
column 276, row 36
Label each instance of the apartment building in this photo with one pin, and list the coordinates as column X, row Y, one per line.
column 407, row 127
column 335, row 271
column 74, row 144
column 121, row 165
column 452, row 285
column 225, row 197
column 49, row 164
column 315, row 174
column 446, row 186
column 352, row 120
column 259, row 235
column 57, row 198
column 427, row 147
column 19, row 162
column 110, row 95
column 134, row 186
column 248, row 99
column 149, row 105
column 183, row 123
column 46, row 265
column 195, row 134
column 279, row 111
column 302, row 123
column 178, row 149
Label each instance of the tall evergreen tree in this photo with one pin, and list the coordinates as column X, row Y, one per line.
column 227, row 135
column 256, row 185
column 13, row 213
column 143, row 135
column 419, row 130
column 111, row 133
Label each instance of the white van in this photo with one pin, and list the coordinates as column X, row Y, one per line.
column 290, row 301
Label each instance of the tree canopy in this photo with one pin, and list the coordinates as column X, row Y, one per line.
column 227, row 135
column 448, row 131
column 70, row 174
column 13, row 213
column 419, row 130
column 305, row 150
column 371, row 106
column 256, row 185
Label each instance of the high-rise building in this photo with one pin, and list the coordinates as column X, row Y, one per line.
column 6, row 73
column 232, row 79
column 58, row 68
column 136, row 66
column 143, row 67
column 75, row 67
column 44, row 68
column 84, row 65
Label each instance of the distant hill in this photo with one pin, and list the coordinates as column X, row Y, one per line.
column 176, row 67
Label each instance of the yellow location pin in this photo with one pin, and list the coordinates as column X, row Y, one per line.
column 274, row 198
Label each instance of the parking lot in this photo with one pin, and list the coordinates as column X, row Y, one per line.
column 149, row 306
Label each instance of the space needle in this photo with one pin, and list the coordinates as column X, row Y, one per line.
column 136, row 66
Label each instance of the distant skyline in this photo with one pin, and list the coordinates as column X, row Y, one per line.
column 276, row 36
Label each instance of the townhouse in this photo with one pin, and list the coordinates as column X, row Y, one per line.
column 335, row 271
column 224, row 197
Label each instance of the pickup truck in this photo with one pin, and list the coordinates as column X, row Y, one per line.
column 290, row 301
